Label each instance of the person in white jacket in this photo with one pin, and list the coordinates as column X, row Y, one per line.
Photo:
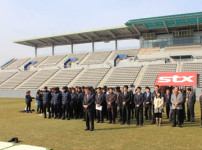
column 158, row 107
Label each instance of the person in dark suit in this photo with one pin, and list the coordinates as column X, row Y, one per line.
column 190, row 105
column 200, row 100
column 125, row 105
column 167, row 98
column 39, row 101
column 119, row 102
column 28, row 100
column 138, row 100
column 154, row 94
column 148, row 103
column 46, row 96
column 83, row 94
column 66, row 100
column 89, row 105
column 52, row 102
column 74, row 100
column 57, row 99
column 132, row 105
column 181, row 91
column 176, row 100
column 80, row 101
column 99, row 101
column 111, row 98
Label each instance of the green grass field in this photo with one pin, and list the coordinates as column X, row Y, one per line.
column 33, row 129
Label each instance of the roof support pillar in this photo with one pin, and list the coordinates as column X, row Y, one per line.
column 72, row 48
column 53, row 50
column 198, row 28
column 36, row 50
column 93, row 46
column 116, row 44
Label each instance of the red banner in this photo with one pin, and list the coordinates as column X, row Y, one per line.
column 177, row 79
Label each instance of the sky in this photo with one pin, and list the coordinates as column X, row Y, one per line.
column 22, row 19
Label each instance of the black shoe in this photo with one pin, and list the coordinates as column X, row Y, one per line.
column 16, row 140
column 12, row 140
column 55, row 117
column 98, row 121
column 44, row 117
column 122, row 123
column 49, row 117
column 173, row 125
column 86, row 129
column 91, row 129
column 63, row 118
column 68, row 118
column 180, row 126
column 109, row 122
column 101, row 121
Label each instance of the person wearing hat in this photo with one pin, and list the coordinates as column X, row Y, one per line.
column 200, row 99
column 148, row 103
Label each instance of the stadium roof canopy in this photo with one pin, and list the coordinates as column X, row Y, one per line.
column 98, row 35
column 167, row 24
column 133, row 29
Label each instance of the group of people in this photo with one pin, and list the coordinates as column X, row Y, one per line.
column 110, row 103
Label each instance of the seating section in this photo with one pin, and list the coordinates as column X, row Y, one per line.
column 147, row 51
column 151, row 73
column 192, row 67
column 63, row 78
column 17, row 64
column 96, row 58
column 38, row 60
column 79, row 57
column 37, row 79
column 5, row 76
column 91, row 77
column 17, row 79
column 132, row 52
column 183, row 48
column 122, row 76
column 52, row 61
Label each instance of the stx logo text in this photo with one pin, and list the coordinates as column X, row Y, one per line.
column 176, row 79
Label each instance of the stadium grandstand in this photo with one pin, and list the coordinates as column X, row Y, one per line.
column 167, row 44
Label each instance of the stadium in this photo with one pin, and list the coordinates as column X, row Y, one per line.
column 170, row 46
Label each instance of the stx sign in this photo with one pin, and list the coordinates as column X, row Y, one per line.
column 177, row 79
